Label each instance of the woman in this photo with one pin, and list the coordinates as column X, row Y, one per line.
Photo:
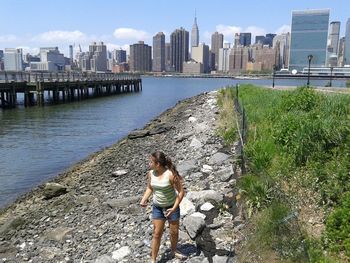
column 165, row 183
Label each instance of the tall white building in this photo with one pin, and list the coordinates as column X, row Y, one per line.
column 347, row 44
column 13, row 59
column 194, row 34
column 224, row 58
column 281, row 43
column 51, row 60
column 200, row 54
column 333, row 43
column 98, row 57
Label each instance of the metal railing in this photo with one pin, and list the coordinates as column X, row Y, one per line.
column 10, row 76
column 242, row 127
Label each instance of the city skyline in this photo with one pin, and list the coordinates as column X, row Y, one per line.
column 120, row 24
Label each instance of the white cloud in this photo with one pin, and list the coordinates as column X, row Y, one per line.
column 8, row 38
column 283, row 29
column 59, row 36
column 130, row 34
column 228, row 31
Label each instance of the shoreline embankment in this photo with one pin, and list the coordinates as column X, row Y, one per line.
column 91, row 212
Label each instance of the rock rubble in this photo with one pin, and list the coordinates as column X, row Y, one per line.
column 91, row 213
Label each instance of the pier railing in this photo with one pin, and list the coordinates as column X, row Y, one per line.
column 10, row 76
column 40, row 87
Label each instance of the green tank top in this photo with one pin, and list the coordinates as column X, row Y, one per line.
column 164, row 194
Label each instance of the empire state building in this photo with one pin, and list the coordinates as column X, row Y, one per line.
column 194, row 34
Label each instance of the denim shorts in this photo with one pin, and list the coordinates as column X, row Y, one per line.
column 159, row 213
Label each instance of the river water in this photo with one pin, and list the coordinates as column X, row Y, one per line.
column 38, row 143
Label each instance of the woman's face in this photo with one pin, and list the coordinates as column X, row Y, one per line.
column 152, row 163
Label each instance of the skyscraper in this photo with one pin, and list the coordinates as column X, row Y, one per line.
column 281, row 43
column 269, row 39
column 119, row 56
column 332, row 44
column 334, row 30
column 13, row 59
column 217, row 41
column 224, row 58
column 140, row 57
column 179, row 42
column 168, row 57
column 194, row 34
column 71, row 54
column 158, row 52
column 201, row 55
column 98, row 57
column 347, row 44
column 341, row 51
column 309, row 35
column 245, row 39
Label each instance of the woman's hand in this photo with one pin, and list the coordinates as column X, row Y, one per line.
column 169, row 212
column 143, row 203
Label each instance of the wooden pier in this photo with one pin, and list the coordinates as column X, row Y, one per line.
column 63, row 87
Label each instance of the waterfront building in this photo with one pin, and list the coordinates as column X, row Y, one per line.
column 120, row 68
column 238, row 59
column 245, row 39
column 140, row 57
column 1, row 60
column 309, row 33
column 71, row 54
column 333, row 38
column 333, row 43
column 281, row 44
column 179, row 46
column 267, row 56
column 119, row 56
column 347, row 44
column 95, row 60
column 158, row 52
column 217, row 41
column 13, row 59
column 98, row 57
column 194, row 34
column 192, row 67
column 51, row 60
column 263, row 57
column 341, row 52
column 224, row 58
column 201, row 54
column 168, row 66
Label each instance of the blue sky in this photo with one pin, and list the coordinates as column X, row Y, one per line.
column 31, row 24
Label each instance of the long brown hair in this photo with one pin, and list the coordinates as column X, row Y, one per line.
column 166, row 162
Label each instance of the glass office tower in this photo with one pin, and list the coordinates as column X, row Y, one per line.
column 308, row 37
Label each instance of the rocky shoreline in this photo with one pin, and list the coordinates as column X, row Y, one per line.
column 91, row 212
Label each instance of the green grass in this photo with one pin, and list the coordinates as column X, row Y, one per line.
column 303, row 136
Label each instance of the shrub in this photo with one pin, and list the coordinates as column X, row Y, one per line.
column 256, row 190
column 348, row 84
column 338, row 227
column 303, row 99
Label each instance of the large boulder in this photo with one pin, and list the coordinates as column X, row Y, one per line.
column 194, row 225
column 54, row 189
column 201, row 197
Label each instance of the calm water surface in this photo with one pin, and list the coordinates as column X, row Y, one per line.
column 38, row 143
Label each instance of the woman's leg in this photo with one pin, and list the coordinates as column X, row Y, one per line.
column 174, row 234
column 157, row 236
